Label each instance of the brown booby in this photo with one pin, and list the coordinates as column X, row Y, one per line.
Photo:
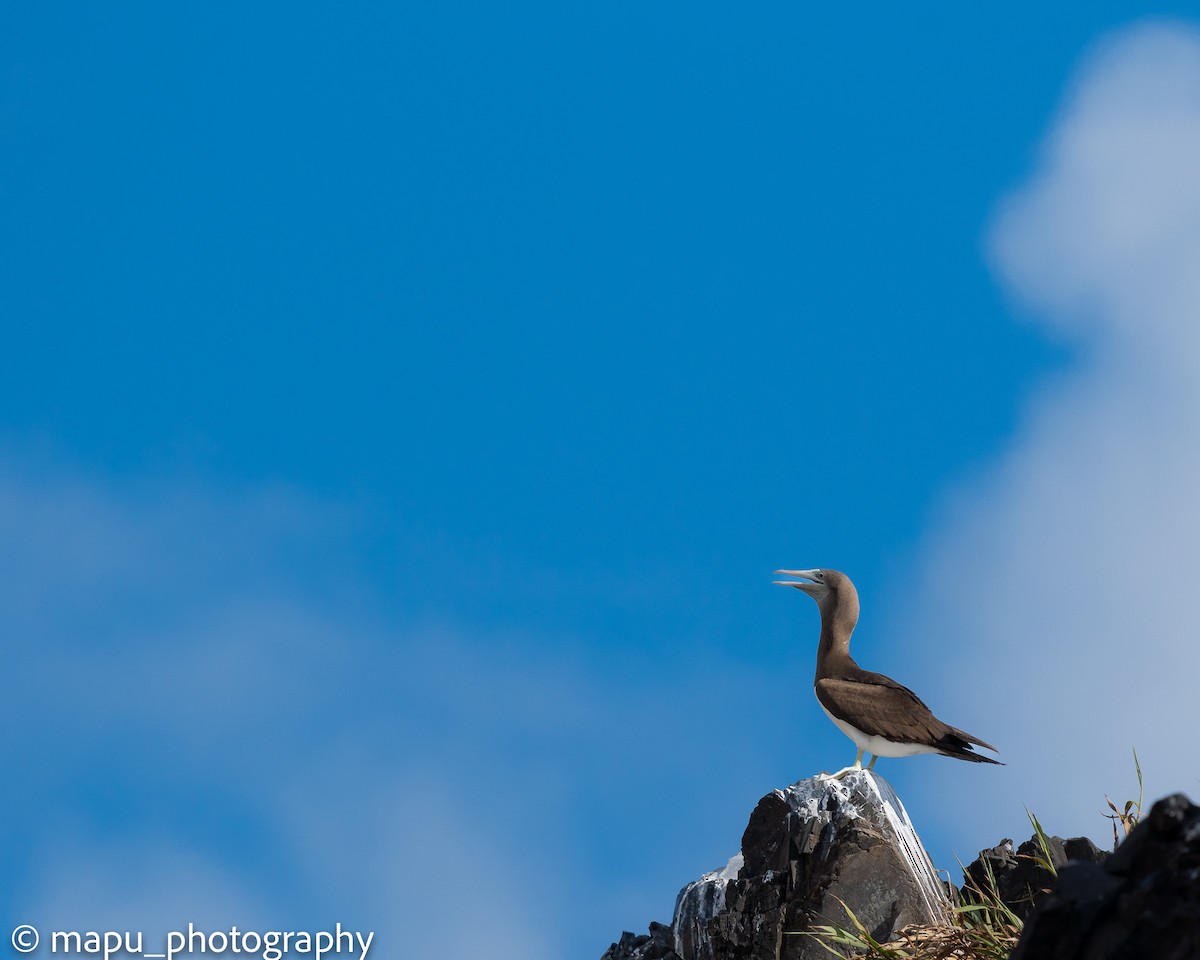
column 881, row 716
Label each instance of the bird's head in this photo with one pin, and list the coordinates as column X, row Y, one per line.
column 830, row 588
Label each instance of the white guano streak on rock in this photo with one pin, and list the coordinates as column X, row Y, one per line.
column 928, row 881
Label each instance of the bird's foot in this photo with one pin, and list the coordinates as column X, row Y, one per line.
column 841, row 773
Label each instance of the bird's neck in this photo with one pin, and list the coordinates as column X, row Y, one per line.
column 833, row 650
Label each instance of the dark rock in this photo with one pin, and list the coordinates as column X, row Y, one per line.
column 1082, row 850
column 659, row 944
column 1019, row 880
column 1143, row 902
column 805, row 849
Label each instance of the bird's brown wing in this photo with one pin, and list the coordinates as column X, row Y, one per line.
column 881, row 707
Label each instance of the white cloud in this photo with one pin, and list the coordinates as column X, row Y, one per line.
column 1067, row 573
column 1103, row 239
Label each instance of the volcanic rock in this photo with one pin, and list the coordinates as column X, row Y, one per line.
column 659, row 944
column 806, row 851
column 1017, row 876
column 1143, row 902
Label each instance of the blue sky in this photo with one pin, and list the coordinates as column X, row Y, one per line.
column 403, row 411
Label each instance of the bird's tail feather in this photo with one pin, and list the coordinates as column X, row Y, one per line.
column 967, row 738
column 958, row 745
column 966, row 753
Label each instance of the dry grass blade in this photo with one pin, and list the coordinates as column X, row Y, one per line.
column 982, row 929
column 920, row 942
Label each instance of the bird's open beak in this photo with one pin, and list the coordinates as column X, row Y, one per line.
column 814, row 590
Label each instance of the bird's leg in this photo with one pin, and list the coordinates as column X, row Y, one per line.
column 845, row 770
column 871, row 765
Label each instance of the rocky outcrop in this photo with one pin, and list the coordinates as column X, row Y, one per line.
column 1143, row 902
column 820, row 844
column 1017, row 876
column 659, row 944
column 806, row 851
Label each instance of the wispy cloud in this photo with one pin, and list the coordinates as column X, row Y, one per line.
column 1066, row 571
column 196, row 733
column 205, row 730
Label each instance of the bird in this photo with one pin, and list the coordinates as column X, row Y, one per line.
column 882, row 717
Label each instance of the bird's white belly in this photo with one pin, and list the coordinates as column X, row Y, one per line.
column 879, row 746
